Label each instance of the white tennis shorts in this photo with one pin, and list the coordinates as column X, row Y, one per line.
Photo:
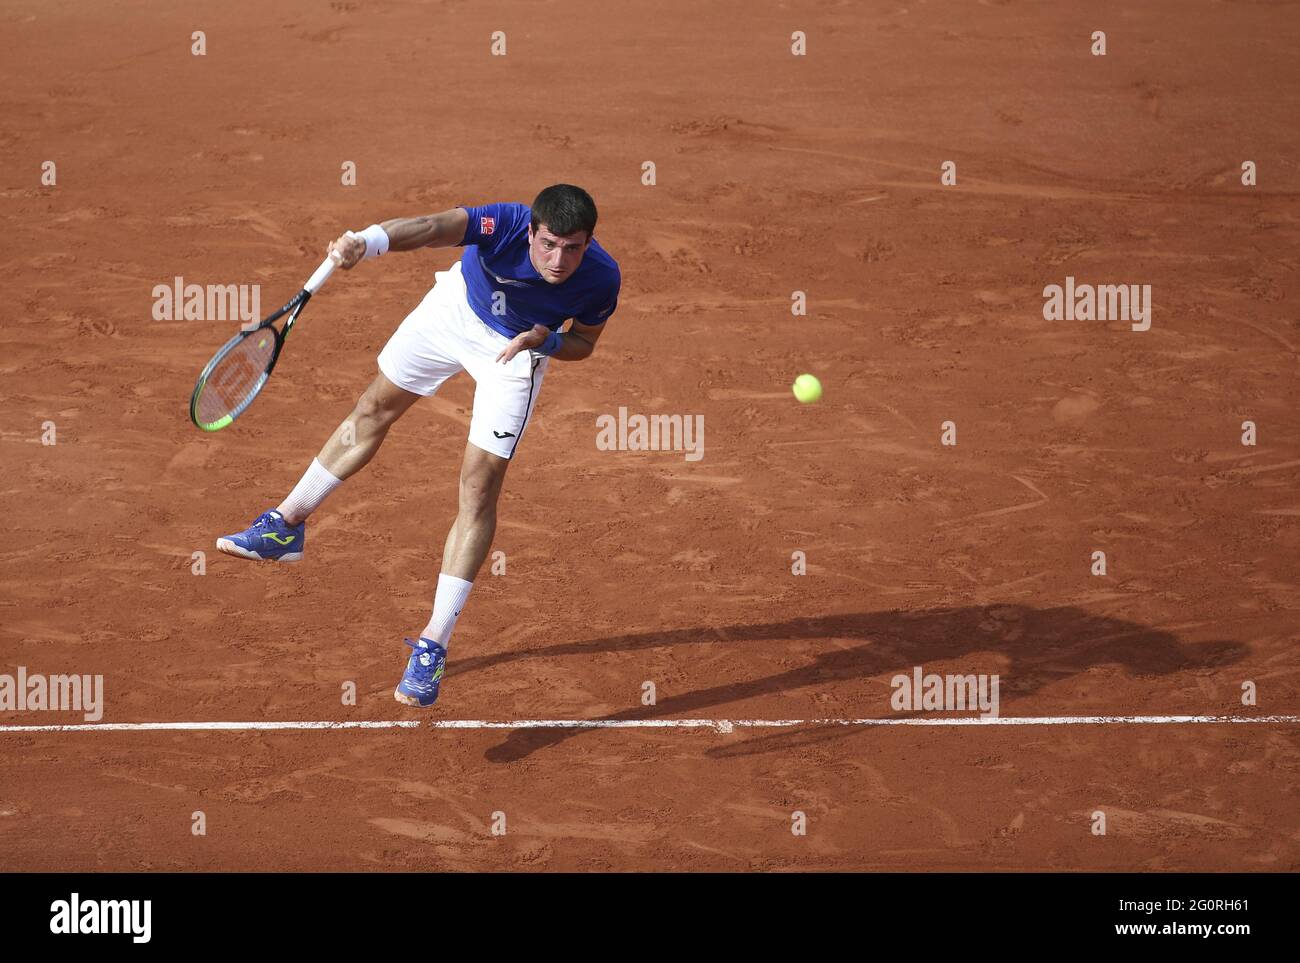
column 442, row 336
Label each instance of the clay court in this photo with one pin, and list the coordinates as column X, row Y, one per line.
column 775, row 173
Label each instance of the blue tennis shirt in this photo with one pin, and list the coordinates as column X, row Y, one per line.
column 496, row 259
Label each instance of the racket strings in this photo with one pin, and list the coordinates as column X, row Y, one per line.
column 235, row 379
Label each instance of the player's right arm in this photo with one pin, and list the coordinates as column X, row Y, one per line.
column 445, row 229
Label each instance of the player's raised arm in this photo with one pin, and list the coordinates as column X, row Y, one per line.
column 402, row 234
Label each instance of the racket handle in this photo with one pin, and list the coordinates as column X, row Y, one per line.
column 324, row 271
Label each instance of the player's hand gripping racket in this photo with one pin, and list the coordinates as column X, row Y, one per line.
column 236, row 373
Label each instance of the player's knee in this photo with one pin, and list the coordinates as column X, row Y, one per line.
column 478, row 493
column 375, row 409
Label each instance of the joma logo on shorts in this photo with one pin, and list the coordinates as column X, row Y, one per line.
column 651, row 433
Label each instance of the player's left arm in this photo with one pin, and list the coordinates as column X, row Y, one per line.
column 575, row 344
column 578, row 342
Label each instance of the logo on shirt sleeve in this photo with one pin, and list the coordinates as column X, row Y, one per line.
column 487, row 225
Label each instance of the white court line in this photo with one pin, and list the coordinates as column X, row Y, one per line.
column 721, row 725
column 726, row 725
column 204, row 726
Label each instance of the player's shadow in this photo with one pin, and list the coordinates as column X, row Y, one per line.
column 1042, row 645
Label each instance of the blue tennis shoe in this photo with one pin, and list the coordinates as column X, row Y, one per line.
column 269, row 539
column 419, row 685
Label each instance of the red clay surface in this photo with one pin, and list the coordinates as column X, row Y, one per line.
column 775, row 173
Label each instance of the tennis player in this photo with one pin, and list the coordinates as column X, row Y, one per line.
column 497, row 314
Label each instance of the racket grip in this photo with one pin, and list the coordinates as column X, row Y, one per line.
column 324, row 271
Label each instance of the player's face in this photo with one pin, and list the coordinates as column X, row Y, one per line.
column 554, row 257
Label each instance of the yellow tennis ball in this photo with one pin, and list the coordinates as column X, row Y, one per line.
column 807, row 389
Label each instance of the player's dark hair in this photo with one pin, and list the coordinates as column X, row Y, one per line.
column 565, row 210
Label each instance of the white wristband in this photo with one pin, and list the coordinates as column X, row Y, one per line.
column 376, row 239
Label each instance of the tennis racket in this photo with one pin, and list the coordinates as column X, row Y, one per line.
column 236, row 373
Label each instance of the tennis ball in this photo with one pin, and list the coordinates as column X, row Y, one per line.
column 807, row 389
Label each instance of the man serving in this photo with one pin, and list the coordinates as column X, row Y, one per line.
column 496, row 314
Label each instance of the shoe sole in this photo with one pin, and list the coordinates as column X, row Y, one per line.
column 230, row 548
column 411, row 701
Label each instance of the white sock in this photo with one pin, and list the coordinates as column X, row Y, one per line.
column 311, row 490
column 448, row 603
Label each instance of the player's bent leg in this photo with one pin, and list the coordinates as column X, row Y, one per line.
column 359, row 436
column 279, row 535
column 417, row 359
column 482, row 476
